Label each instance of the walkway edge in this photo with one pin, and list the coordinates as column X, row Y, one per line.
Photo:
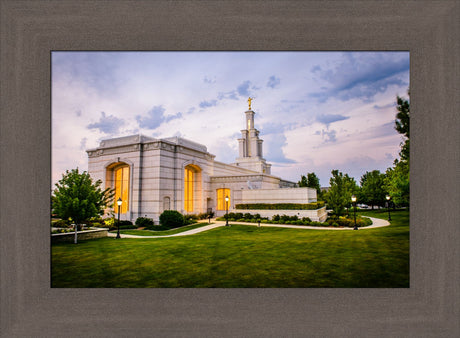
column 376, row 223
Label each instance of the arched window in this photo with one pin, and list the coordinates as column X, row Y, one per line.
column 221, row 194
column 121, row 186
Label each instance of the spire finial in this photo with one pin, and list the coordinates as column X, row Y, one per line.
column 249, row 101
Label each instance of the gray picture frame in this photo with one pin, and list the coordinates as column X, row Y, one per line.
column 30, row 30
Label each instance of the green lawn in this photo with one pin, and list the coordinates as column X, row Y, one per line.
column 243, row 256
column 161, row 233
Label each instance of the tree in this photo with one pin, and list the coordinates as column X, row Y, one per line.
column 397, row 183
column 352, row 189
column 303, row 181
column 78, row 198
column 339, row 194
column 397, row 178
column 311, row 181
column 402, row 125
column 373, row 188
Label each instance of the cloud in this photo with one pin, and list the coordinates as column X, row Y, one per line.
column 274, row 141
column 227, row 95
column 98, row 71
column 385, row 106
column 209, row 81
column 172, row 117
column 107, row 124
column 243, row 89
column 273, row 81
column 207, row 104
column 155, row 117
column 83, row 143
column 329, row 136
column 327, row 119
column 362, row 76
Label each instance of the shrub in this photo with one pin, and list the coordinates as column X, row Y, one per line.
column 171, row 219
column 109, row 222
column 276, row 218
column 280, row 206
column 60, row 224
column 144, row 222
column 205, row 215
column 190, row 219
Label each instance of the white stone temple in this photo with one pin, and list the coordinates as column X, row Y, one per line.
column 152, row 175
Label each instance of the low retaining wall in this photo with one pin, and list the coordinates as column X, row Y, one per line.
column 81, row 235
column 318, row 215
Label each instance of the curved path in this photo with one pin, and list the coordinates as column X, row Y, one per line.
column 376, row 223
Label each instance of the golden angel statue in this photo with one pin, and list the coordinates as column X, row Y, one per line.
column 249, row 101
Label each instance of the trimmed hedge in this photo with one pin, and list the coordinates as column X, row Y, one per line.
column 171, row 219
column 280, row 206
column 294, row 220
column 144, row 222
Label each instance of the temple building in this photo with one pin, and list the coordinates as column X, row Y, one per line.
column 152, row 175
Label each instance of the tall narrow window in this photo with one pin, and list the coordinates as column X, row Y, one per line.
column 221, row 194
column 188, row 190
column 122, row 188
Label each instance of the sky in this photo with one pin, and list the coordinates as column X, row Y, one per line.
column 315, row 111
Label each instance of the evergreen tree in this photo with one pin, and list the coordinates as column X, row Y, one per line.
column 402, row 125
column 303, row 182
column 78, row 198
column 397, row 178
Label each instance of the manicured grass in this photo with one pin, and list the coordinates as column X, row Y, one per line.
column 242, row 256
column 163, row 232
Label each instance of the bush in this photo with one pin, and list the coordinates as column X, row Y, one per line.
column 60, row 224
column 205, row 215
column 171, row 219
column 190, row 219
column 144, row 222
column 280, row 206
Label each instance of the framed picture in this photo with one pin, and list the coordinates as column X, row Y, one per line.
column 31, row 32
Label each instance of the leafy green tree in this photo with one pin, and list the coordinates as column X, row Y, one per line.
column 352, row 189
column 311, row 181
column 78, row 198
column 373, row 188
column 397, row 183
column 339, row 194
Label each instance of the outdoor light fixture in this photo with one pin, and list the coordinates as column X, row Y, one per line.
column 226, row 210
column 388, row 197
column 353, row 199
column 119, row 201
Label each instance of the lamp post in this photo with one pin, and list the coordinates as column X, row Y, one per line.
column 118, row 224
column 388, row 197
column 226, row 210
column 353, row 199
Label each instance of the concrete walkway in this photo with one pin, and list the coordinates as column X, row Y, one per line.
column 376, row 223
